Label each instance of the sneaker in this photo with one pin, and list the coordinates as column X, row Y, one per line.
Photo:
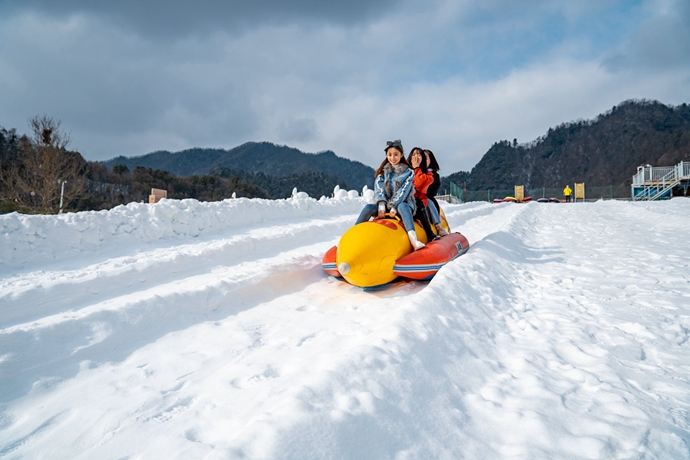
column 416, row 244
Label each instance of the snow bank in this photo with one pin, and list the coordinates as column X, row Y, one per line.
column 564, row 332
column 29, row 239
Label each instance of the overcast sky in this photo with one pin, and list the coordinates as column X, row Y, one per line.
column 134, row 76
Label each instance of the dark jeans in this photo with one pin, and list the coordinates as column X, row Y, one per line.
column 421, row 215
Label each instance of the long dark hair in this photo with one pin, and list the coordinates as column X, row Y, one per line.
column 433, row 164
column 422, row 165
column 403, row 160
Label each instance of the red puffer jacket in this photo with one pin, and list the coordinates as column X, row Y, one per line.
column 421, row 182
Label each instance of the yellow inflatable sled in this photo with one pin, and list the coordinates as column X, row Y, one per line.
column 376, row 252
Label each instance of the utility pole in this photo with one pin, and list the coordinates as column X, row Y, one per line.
column 62, row 193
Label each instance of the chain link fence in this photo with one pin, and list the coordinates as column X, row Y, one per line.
column 592, row 193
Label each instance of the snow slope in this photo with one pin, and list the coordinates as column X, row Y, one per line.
column 208, row 330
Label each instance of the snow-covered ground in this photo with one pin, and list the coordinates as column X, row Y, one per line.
column 208, row 330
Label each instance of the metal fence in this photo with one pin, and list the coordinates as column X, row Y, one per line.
column 592, row 193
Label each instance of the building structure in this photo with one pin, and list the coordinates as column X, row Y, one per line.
column 660, row 182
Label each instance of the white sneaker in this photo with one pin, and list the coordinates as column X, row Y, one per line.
column 416, row 244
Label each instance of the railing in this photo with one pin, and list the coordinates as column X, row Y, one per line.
column 648, row 174
column 651, row 183
column 666, row 183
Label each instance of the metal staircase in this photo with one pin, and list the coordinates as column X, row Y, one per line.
column 654, row 183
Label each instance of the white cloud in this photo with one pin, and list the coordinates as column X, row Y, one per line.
column 661, row 41
column 451, row 76
column 459, row 121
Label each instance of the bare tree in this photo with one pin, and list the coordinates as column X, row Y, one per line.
column 44, row 167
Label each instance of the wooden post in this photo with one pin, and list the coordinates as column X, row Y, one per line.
column 157, row 195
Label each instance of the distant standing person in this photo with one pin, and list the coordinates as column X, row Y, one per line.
column 567, row 193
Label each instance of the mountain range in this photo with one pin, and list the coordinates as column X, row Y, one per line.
column 255, row 159
column 603, row 151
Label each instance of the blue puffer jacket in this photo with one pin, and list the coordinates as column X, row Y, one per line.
column 395, row 186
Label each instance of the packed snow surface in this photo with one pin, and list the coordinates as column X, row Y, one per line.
column 209, row 330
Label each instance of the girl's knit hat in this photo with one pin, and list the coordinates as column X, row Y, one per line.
column 396, row 143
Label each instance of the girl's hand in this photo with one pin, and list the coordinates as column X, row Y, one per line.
column 416, row 161
column 392, row 212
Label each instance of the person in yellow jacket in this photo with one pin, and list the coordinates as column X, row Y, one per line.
column 567, row 193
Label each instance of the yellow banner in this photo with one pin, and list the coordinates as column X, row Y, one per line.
column 519, row 192
column 580, row 191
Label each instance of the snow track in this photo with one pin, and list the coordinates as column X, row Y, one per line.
column 562, row 333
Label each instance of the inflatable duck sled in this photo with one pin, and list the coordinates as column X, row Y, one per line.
column 376, row 252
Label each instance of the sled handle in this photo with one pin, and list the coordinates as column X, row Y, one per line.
column 388, row 216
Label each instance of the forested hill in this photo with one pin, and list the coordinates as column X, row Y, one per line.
column 603, row 151
column 255, row 158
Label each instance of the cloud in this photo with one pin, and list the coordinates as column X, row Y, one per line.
column 167, row 19
column 453, row 76
column 298, row 130
column 660, row 42
column 94, row 76
column 459, row 120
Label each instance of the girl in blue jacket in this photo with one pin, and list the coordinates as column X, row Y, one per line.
column 394, row 191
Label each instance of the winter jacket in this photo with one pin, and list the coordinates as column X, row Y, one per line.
column 421, row 182
column 433, row 188
column 567, row 191
column 395, row 186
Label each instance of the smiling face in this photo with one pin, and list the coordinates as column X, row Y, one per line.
column 416, row 158
column 394, row 155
